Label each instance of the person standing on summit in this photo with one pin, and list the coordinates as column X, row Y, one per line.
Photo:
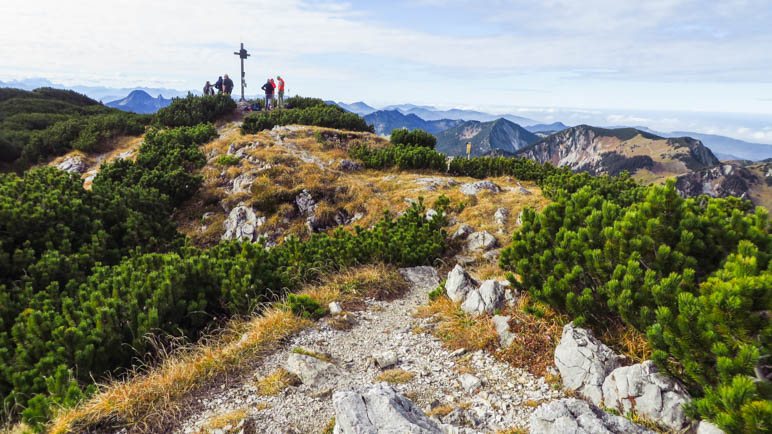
column 218, row 84
column 268, row 88
column 227, row 84
column 281, row 91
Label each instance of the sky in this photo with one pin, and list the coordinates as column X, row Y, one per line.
column 670, row 63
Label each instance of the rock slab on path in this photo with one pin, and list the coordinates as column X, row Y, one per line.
column 379, row 410
column 485, row 299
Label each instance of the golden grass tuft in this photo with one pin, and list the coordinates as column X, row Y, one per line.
column 329, row 428
column 441, row 410
column 626, row 340
column 276, row 382
column 221, row 421
column 395, row 376
column 306, row 352
column 513, row 431
column 145, row 395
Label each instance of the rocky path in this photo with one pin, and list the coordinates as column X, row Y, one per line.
column 465, row 392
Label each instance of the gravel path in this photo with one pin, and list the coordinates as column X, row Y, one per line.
column 504, row 399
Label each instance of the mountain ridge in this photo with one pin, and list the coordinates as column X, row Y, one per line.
column 139, row 101
column 500, row 136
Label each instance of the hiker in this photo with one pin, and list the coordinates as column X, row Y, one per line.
column 268, row 88
column 273, row 100
column 218, row 84
column 227, row 85
column 281, row 91
column 208, row 89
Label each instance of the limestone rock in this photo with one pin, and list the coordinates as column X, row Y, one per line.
column 492, row 255
column 385, row 359
column 519, row 220
column 642, row 389
column 485, row 299
column 242, row 224
column 334, row 308
column 501, row 323
column 349, row 166
column 522, row 190
column 74, row 164
column 584, row 362
column 462, row 232
column 311, row 371
column 574, row 416
column 481, row 241
column 379, row 409
column 469, row 382
column 501, row 216
column 472, row 188
column 421, row 277
column 305, row 203
column 431, row 213
column 459, row 284
column 243, row 183
column 705, row 427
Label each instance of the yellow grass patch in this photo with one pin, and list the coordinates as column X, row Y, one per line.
column 230, row 419
column 395, row 376
column 275, row 382
column 458, row 329
column 146, row 395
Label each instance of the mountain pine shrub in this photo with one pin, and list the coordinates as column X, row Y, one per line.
column 694, row 274
column 193, row 110
column 417, row 137
column 328, row 116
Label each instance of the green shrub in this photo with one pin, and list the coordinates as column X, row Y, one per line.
column 304, row 306
column 300, row 102
column 228, row 160
column 691, row 273
column 417, row 137
column 401, row 156
column 193, row 110
column 316, row 115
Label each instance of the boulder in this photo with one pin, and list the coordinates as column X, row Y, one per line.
column 705, row 427
column 431, row 213
column 501, row 216
column 519, row 220
column 481, row 241
column 305, row 203
column 472, row 188
column 74, row 164
column 459, row 284
column 501, row 324
column 642, row 389
column 522, row 190
column 574, row 416
column 379, row 409
column 485, row 299
column 311, row 371
column 421, row 277
column 242, row 224
column 492, row 255
column 334, row 308
column 243, row 183
column 433, row 183
column 584, row 362
column 385, row 359
column 462, row 232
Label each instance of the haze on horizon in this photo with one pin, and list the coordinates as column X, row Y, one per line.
column 660, row 56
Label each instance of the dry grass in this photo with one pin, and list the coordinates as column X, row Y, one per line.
column 626, row 340
column 147, row 395
column 306, row 352
column 535, row 337
column 276, row 382
column 395, row 376
column 222, row 421
column 441, row 410
column 458, row 329
column 513, row 431
column 330, row 427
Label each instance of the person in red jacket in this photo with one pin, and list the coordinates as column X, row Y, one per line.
column 281, row 91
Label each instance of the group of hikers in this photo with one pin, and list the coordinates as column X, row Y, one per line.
column 274, row 90
column 222, row 86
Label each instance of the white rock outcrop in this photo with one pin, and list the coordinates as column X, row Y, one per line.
column 501, row 324
column 481, row 242
column 473, row 188
column 73, row 165
column 462, row 233
column 574, row 416
column 485, row 299
column 642, row 389
column 584, row 362
column 459, row 284
column 311, row 371
column 378, row 410
column 242, row 224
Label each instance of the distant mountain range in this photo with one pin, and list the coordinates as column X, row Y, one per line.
column 385, row 121
column 98, row 93
column 547, row 129
column 139, row 101
column 498, row 137
column 610, row 151
column 725, row 148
